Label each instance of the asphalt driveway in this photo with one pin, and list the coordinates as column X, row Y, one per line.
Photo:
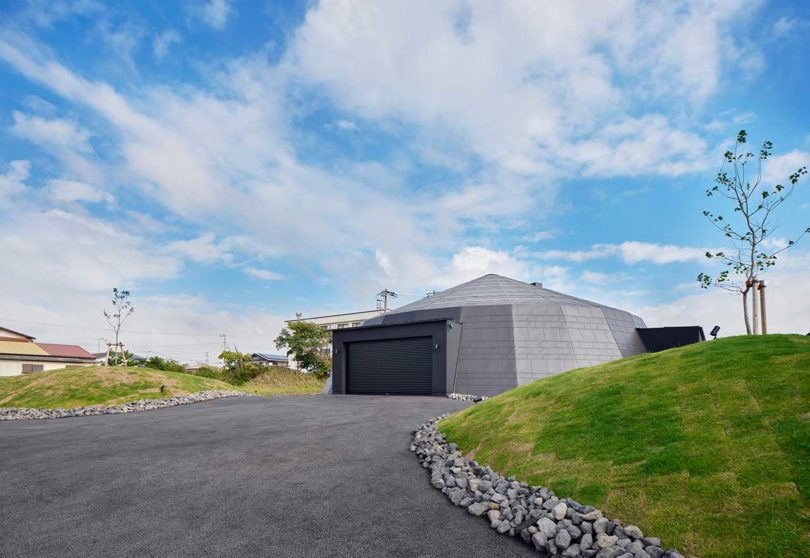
column 282, row 476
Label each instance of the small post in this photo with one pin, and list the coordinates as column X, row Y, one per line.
column 762, row 307
column 755, row 304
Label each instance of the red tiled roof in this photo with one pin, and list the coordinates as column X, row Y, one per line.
column 67, row 351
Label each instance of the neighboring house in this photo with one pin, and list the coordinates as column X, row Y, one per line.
column 270, row 360
column 334, row 322
column 19, row 354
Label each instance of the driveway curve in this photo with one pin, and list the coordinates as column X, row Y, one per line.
column 280, row 476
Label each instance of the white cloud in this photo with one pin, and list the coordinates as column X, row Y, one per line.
column 347, row 125
column 599, row 278
column 539, row 236
column 787, row 293
column 13, row 181
column 75, row 251
column 777, row 168
column 121, row 38
column 65, row 139
column 163, row 42
column 474, row 261
column 384, row 263
column 525, row 85
column 630, row 252
column 785, row 26
column 216, row 13
column 72, row 190
column 634, row 252
column 45, row 12
column 203, row 249
column 264, row 274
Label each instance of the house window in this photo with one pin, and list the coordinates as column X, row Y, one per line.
column 355, row 324
column 344, row 325
column 28, row 368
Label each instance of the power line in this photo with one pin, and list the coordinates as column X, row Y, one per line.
column 150, row 345
column 199, row 334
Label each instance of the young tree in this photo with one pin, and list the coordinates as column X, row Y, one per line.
column 305, row 342
column 239, row 368
column 121, row 310
column 750, row 224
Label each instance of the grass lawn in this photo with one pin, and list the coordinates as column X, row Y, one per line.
column 705, row 446
column 98, row 385
column 284, row 381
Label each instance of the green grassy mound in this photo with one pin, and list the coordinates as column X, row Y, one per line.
column 98, row 385
column 705, row 446
column 284, row 381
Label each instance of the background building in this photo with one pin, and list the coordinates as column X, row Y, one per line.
column 270, row 360
column 333, row 322
column 19, row 354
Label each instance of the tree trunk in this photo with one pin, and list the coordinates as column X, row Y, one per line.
column 116, row 341
column 745, row 311
column 755, row 306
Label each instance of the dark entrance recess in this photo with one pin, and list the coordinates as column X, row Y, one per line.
column 390, row 366
column 662, row 338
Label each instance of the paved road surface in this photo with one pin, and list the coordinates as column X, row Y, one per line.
column 283, row 476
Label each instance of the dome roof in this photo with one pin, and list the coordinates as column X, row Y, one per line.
column 492, row 289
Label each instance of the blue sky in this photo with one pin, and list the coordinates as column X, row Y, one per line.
column 233, row 162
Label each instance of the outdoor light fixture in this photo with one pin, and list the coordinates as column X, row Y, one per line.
column 715, row 330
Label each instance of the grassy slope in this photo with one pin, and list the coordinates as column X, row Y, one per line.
column 283, row 381
column 706, row 446
column 95, row 385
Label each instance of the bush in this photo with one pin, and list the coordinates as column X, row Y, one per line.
column 209, row 372
column 239, row 368
column 159, row 363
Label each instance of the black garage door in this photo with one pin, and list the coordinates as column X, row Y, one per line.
column 394, row 366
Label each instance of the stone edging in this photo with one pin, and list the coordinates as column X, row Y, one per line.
column 467, row 397
column 23, row 413
column 554, row 526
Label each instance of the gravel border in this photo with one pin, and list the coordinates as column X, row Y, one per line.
column 467, row 397
column 554, row 526
column 24, row 413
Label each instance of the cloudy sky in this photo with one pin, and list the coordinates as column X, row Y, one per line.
column 234, row 162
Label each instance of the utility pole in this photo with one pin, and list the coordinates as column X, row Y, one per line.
column 224, row 342
column 382, row 299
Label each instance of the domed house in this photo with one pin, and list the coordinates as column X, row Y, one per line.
column 482, row 337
